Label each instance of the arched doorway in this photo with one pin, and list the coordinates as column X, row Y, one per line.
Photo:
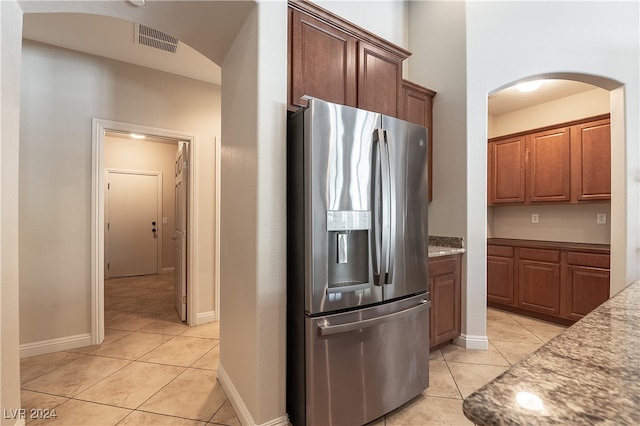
column 570, row 97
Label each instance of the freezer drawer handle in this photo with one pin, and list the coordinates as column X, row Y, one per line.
column 326, row 330
column 348, row 288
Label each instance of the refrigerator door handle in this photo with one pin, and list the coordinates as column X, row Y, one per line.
column 376, row 202
column 391, row 212
column 386, row 208
column 326, row 330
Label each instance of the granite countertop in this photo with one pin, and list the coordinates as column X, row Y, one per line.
column 445, row 246
column 590, row 374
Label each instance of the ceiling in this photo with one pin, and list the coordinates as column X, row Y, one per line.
column 510, row 99
column 114, row 38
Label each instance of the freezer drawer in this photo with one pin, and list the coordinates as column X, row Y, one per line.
column 363, row 364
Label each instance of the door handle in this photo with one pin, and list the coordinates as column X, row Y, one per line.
column 325, row 330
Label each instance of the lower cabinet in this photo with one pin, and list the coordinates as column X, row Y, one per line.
column 547, row 279
column 500, row 284
column 587, row 284
column 444, row 287
column 539, row 280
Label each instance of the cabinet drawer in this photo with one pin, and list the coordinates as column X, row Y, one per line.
column 588, row 259
column 541, row 255
column 443, row 265
column 502, row 251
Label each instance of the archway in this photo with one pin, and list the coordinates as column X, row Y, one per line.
column 614, row 101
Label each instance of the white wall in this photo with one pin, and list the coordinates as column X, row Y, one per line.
column 501, row 51
column 253, row 218
column 437, row 40
column 560, row 222
column 62, row 91
column 10, row 36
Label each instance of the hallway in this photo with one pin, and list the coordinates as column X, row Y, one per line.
column 151, row 368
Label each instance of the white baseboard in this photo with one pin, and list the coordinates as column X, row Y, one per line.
column 205, row 317
column 472, row 342
column 55, row 345
column 238, row 404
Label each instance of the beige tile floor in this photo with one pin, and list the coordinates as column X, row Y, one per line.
column 154, row 370
column 151, row 369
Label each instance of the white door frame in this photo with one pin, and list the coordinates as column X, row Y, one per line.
column 159, row 187
column 99, row 127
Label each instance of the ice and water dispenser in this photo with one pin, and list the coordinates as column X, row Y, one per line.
column 348, row 247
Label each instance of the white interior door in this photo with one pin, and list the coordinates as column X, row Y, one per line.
column 132, row 226
column 180, row 235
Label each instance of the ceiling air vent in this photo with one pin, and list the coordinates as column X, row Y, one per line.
column 154, row 38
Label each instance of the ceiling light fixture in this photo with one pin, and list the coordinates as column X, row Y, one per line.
column 137, row 136
column 137, row 2
column 529, row 86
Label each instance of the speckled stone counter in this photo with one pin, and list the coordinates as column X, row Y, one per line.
column 445, row 246
column 588, row 375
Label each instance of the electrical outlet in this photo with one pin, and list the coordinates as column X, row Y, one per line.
column 534, row 218
column 601, row 218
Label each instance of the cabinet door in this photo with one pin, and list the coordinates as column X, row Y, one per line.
column 585, row 289
column 444, row 289
column 446, row 312
column 507, row 171
column 416, row 106
column 323, row 62
column 591, row 161
column 586, row 283
column 379, row 80
column 539, row 280
column 549, row 166
column 500, row 283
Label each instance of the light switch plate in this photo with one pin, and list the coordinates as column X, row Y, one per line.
column 601, row 218
column 534, row 218
column 165, row 220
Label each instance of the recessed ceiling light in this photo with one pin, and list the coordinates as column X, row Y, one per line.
column 137, row 2
column 529, row 86
column 137, row 136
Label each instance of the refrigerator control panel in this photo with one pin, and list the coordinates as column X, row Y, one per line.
column 348, row 220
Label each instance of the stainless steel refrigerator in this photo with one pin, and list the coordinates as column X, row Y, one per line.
column 357, row 290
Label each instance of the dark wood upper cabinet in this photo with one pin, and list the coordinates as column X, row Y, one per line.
column 591, row 154
column 379, row 80
column 323, row 62
column 416, row 106
column 334, row 60
column 564, row 163
column 549, row 169
column 507, row 171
